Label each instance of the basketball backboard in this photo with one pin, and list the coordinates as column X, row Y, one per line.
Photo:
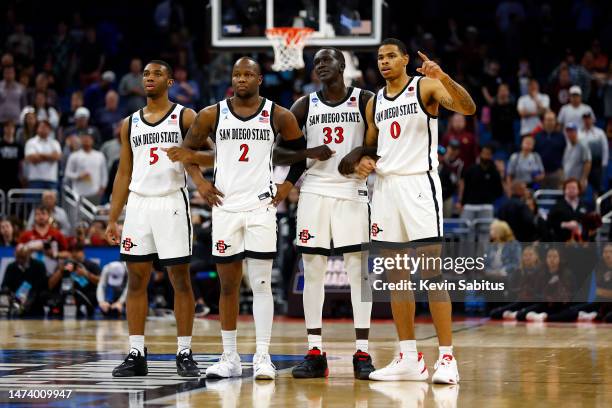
column 340, row 23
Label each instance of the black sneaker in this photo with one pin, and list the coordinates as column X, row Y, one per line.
column 362, row 365
column 135, row 364
column 185, row 366
column 313, row 366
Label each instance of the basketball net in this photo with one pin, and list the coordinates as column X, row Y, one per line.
column 288, row 44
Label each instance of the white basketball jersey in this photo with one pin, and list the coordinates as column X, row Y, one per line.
column 153, row 174
column 341, row 126
column 407, row 133
column 243, row 157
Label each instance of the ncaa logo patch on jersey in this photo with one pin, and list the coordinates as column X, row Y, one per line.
column 135, row 119
column 224, row 111
column 314, row 100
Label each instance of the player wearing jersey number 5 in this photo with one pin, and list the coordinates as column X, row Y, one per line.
column 402, row 146
column 157, row 220
column 243, row 129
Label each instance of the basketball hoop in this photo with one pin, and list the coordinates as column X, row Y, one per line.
column 288, row 44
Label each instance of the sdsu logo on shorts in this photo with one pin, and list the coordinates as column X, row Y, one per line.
column 128, row 244
column 305, row 236
column 221, row 246
column 375, row 230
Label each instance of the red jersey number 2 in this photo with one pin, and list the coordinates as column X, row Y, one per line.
column 245, row 150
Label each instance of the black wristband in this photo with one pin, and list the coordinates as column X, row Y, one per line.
column 295, row 171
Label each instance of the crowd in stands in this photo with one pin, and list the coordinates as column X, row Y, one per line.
column 540, row 74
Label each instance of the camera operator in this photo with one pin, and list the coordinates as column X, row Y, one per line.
column 26, row 279
column 112, row 289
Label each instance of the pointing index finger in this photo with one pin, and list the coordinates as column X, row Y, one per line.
column 423, row 56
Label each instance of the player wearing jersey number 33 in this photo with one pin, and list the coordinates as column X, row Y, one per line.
column 243, row 129
column 401, row 146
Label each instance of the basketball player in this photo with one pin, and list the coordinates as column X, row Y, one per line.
column 243, row 129
column 407, row 199
column 157, row 220
column 332, row 207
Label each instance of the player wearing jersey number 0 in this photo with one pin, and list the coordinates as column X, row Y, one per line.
column 243, row 129
column 157, row 221
column 402, row 144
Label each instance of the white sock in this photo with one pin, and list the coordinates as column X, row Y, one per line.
column 408, row 349
column 184, row 343
column 315, row 340
column 137, row 343
column 361, row 344
column 442, row 350
column 228, row 338
column 361, row 294
column 260, row 276
column 314, row 289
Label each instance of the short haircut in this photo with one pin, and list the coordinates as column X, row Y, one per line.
column 338, row 52
column 246, row 57
column 572, row 180
column 489, row 146
column 398, row 43
column 42, row 208
column 164, row 64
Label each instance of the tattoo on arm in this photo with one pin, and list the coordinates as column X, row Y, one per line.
column 460, row 100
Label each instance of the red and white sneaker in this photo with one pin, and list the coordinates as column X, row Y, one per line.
column 446, row 371
column 402, row 369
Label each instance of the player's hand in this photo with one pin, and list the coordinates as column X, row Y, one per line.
column 179, row 154
column 321, row 153
column 282, row 191
column 365, row 166
column 209, row 193
column 104, row 306
column 430, row 68
column 112, row 233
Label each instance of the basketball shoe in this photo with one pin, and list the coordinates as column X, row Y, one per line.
column 263, row 369
column 362, row 365
column 313, row 366
column 402, row 369
column 446, row 371
column 135, row 364
column 227, row 366
column 186, row 366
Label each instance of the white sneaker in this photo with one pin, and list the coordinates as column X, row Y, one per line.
column 263, row 369
column 536, row 317
column 509, row 315
column 446, row 371
column 402, row 369
column 586, row 316
column 228, row 366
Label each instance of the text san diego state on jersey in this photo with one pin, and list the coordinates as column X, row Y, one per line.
column 243, row 156
column 407, row 133
column 341, row 126
column 153, row 173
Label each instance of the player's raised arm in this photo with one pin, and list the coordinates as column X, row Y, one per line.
column 443, row 90
column 290, row 152
column 121, row 184
column 352, row 162
column 196, row 138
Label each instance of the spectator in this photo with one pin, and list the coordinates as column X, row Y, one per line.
column 579, row 76
column 62, row 51
column 7, row 234
column 57, row 214
column 566, row 215
column 95, row 93
column 531, row 107
column 29, row 125
column 503, row 115
column 112, row 148
column 491, row 82
column 539, row 218
column 11, row 159
column 92, row 57
column 95, row 233
column 559, row 91
column 21, row 45
column 517, row 214
column 42, row 154
column 26, row 278
column 526, row 165
column 597, row 142
column 550, row 145
column 44, row 111
column 184, row 91
column 43, row 233
column 451, row 168
column 503, row 255
column 12, row 96
column 482, row 185
column 87, row 170
column 573, row 111
column 468, row 152
column 605, row 81
column 577, row 157
column 76, row 101
column 41, row 84
column 130, row 87
column 81, row 126
column 111, row 292
column 109, row 115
